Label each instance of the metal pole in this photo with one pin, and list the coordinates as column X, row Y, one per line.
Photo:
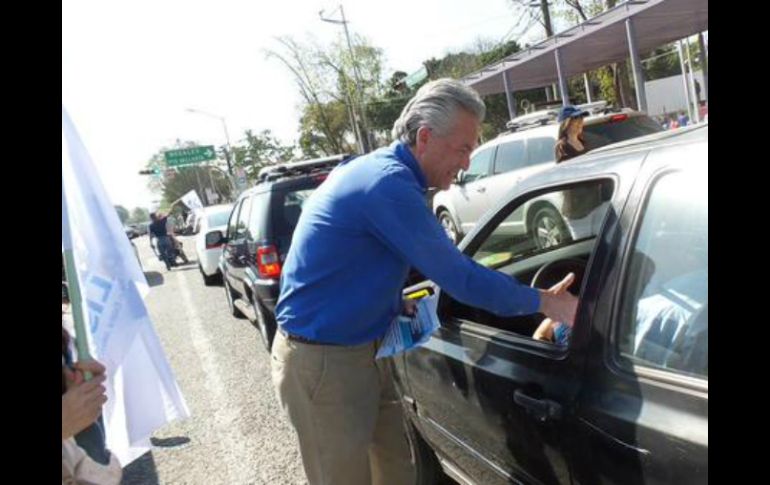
column 364, row 128
column 509, row 97
column 351, row 112
column 229, row 147
column 636, row 63
column 588, row 87
column 704, row 67
column 200, row 186
column 73, row 286
column 684, row 75
column 211, row 179
column 562, row 80
column 693, row 92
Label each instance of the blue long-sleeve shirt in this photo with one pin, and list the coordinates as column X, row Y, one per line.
column 358, row 234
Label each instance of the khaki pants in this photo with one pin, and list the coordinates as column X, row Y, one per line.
column 346, row 412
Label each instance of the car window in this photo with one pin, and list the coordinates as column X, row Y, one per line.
column 292, row 206
column 664, row 309
column 511, row 155
column 218, row 218
column 232, row 223
column 539, row 241
column 540, row 150
column 618, row 128
column 257, row 219
column 242, row 226
column 480, row 164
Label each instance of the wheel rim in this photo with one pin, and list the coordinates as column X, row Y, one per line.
column 449, row 227
column 548, row 232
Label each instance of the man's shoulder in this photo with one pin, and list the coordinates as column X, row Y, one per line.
column 381, row 168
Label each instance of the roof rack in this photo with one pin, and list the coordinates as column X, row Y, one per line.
column 538, row 118
column 274, row 172
column 551, row 114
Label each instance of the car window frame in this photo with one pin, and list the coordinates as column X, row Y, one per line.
column 488, row 225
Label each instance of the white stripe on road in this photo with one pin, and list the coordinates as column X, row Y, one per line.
column 233, row 438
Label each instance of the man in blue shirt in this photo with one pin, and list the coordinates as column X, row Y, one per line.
column 355, row 241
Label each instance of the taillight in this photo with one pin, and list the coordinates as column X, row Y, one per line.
column 268, row 262
column 616, row 118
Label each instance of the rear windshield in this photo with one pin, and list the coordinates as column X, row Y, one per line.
column 608, row 132
column 288, row 207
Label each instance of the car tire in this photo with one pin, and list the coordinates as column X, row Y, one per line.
column 427, row 467
column 548, row 228
column 445, row 219
column 265, row 325
column 210, row 280
column 234, row 311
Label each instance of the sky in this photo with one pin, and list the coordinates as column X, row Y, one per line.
column 131, row 69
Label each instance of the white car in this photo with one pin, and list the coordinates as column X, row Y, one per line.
column 499, row 165
column 212, row 218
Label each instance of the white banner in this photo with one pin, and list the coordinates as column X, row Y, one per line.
column 191, row 200
column 141, row 390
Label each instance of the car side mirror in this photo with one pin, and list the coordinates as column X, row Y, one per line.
column 215, row 238
column 460, row 178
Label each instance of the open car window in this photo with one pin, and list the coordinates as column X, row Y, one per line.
column 539, row 240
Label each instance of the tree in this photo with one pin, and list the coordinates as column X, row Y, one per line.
column 139, row 215
column 385, row 110
column 122, row 213
column 260, row 150
column 334, row 87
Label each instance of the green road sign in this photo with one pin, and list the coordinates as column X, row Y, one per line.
column 189, row 156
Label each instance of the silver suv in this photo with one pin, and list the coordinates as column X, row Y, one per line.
column 498, row 165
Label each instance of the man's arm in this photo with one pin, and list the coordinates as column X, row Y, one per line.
column 399, row 217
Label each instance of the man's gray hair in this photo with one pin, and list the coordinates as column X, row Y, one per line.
column 436, row 105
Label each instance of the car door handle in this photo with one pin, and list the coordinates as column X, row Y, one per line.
column 542, row 409
column 481, row 189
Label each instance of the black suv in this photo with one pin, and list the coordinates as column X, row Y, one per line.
column 258, row 236
column 621, row 398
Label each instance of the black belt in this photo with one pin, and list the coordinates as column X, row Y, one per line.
column 302, row 340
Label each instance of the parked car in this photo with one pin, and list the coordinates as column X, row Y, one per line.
column 624, row 400
column 258, row 235
column 210, row 220
column 500, row 164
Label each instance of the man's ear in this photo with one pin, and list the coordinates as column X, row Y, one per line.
column 423, row 137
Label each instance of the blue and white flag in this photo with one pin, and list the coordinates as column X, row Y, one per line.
column 142, row 392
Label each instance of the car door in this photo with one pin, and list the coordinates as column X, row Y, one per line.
column 490, row 399
column 643, row 411
column 235, row 252
column 470, row 197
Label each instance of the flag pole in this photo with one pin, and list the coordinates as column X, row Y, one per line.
column 81, row 337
